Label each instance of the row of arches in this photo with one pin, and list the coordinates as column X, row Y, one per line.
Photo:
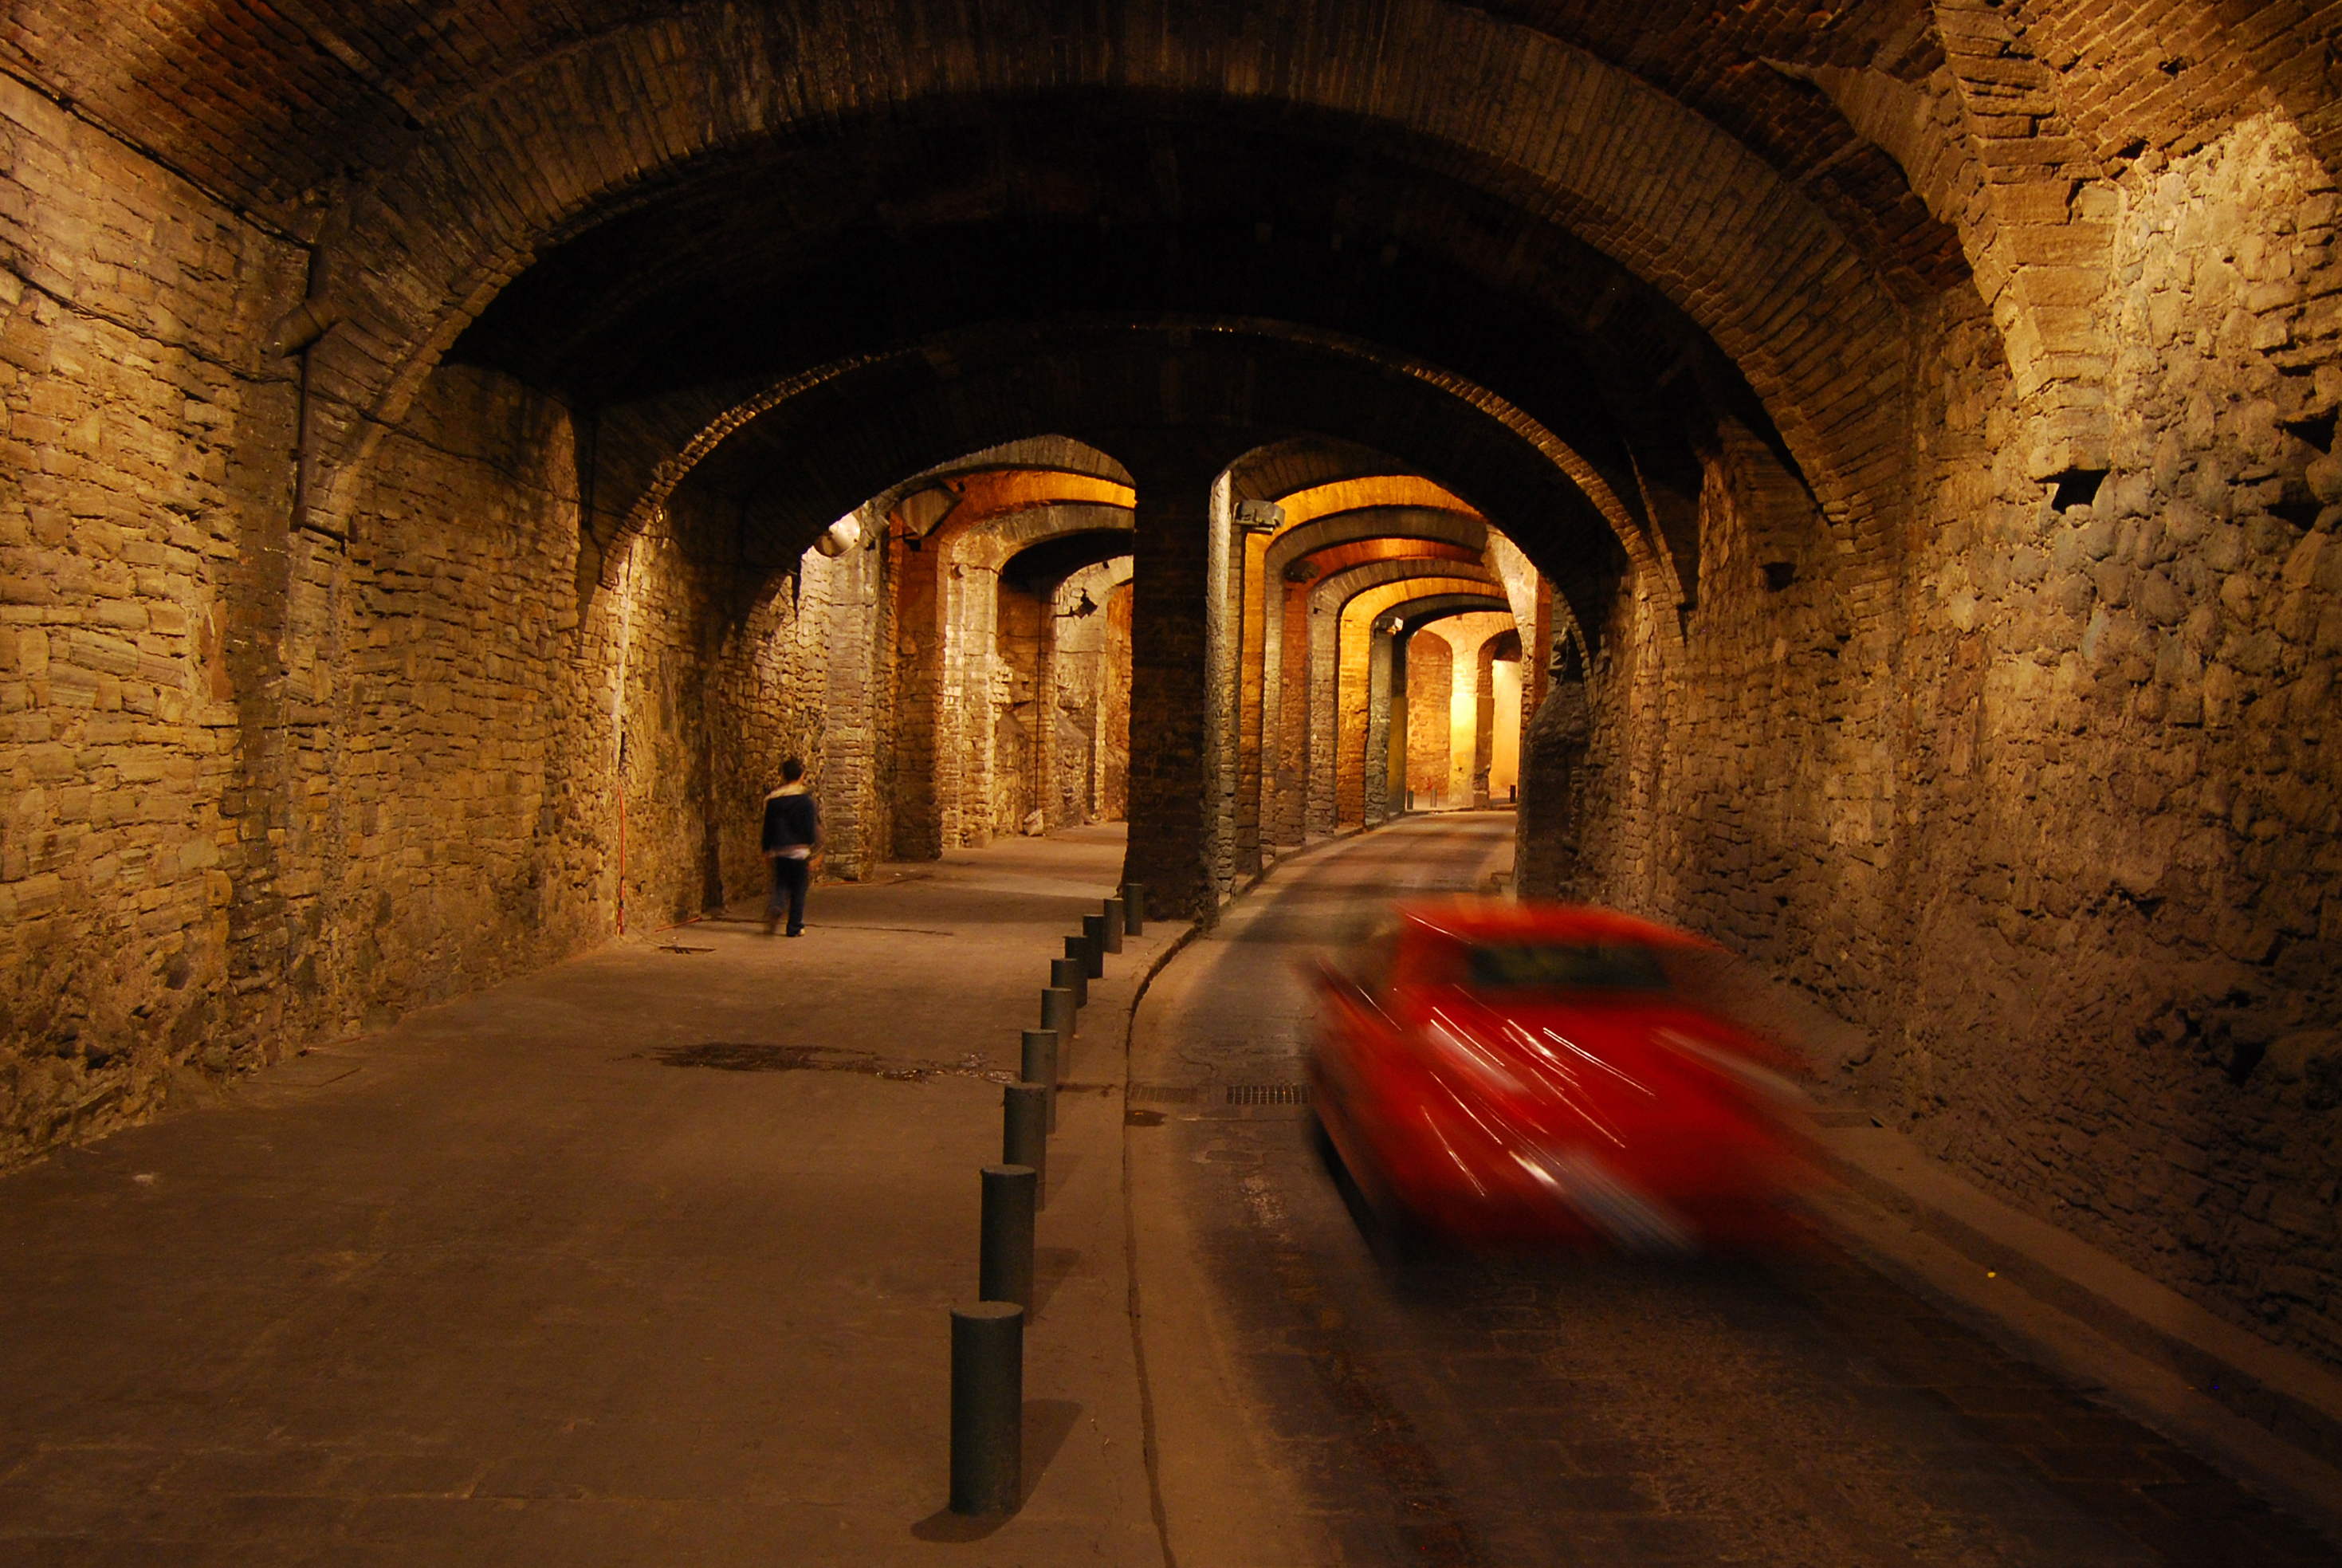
column 1006, row 588
column 1900, row 435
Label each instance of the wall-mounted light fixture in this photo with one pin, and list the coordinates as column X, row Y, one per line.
column 839, row 537
column 1086, row 608
column 1259, row 517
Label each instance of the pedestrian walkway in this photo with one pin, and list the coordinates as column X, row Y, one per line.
column 643, row 1259
column 647, row 1259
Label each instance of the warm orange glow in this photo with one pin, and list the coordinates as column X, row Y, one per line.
column 1363, row 608
column 1342, row 557
column 1504, row 755
column 998, row 490
column 1380, row 490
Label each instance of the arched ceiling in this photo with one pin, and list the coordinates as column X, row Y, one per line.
column 1420, row 613
column 292, row 103
column 1042, row 565
column 619, row 195
column 808, row 458
column 1284, row 468
column 1290, row 554
column 807, row 252
column 621, row 200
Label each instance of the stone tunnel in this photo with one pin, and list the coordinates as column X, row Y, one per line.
column 1856, row 481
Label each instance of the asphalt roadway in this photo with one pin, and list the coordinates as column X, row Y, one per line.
column 1315, row 1402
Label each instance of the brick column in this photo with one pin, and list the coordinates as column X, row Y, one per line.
column 1374, row 783
column 1252, row 724
column 1388, row 798
column 1183, row 726
column 1226, row 573
column 1483, row 724
column 1289, row 648
column 1323, row 757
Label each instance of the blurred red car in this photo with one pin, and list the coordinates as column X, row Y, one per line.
column 1494, row 1073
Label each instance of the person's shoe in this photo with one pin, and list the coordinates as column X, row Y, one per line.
column 771, row 926
column 799, row 932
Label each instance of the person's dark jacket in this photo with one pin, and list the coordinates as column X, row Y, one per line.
column 791, row 820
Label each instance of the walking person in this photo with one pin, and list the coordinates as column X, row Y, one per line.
column 791, row 829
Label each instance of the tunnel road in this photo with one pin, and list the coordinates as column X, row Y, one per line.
column 1315, row 1403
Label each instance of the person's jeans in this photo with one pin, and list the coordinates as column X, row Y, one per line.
column 790, row 879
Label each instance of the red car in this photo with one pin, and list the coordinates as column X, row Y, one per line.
column 1496, row 1073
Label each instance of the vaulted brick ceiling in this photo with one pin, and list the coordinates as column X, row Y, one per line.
column 279, row 106
column 1048, row 205
column 277, row 103
column 883, row 234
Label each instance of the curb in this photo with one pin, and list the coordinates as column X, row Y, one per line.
column 2271, row 1416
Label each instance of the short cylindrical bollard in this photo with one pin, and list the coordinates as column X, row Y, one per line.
column 1070, row 972
column 1004, row 1263
column 1040, row 1066
column 1134, row 908
column 1113, row 925
column 988, row 1408
column 1025, row 1132
column 1094, row 944
column 1057, row 1017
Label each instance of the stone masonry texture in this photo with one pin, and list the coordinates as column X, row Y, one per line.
column 444, row 470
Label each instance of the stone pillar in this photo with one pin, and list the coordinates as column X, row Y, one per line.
column 1224, row 563
column 1552, row 764
column 1252, row 689
column 1374, row 791
column 1323, row 758
column 1290, row 650
column 917, row 827
column 1182, row 678
column 1048, row 792
column 1018, row 701
column 857, row 634
column 1353, row 638
column 1272, row 703
column 1484, row 726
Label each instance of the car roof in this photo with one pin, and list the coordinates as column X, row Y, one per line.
column 1533, row 920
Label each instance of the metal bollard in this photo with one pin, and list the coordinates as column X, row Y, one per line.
column 1057, row 1017
column 1025, row 1132
column 1070, row 972
column 988, row 1408
column 1039, row 1065
column 1113, row 925
column 1093, row 945
column 1134, row 908
column 1004, row 1264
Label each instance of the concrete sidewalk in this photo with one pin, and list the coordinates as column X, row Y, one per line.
column 643, row 1259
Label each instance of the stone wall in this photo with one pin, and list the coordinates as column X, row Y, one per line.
column 1430, row 674
column 1089, row 665
column 143, row 454
column 2041, row 793
column 2133, row 711
column 1016, row 703
column 1113, row 754
column 469, row 797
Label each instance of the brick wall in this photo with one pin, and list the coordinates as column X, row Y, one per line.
column 142, row 587
column 2042, row 794
column 466, row 803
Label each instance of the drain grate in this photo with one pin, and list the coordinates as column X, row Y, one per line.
column 1162, row 1094
column 1268, row 1093
column 733, row 1057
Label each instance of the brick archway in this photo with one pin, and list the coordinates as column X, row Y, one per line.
column 493, row 182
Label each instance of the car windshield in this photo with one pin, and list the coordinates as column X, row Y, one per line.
column 1565, row 967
